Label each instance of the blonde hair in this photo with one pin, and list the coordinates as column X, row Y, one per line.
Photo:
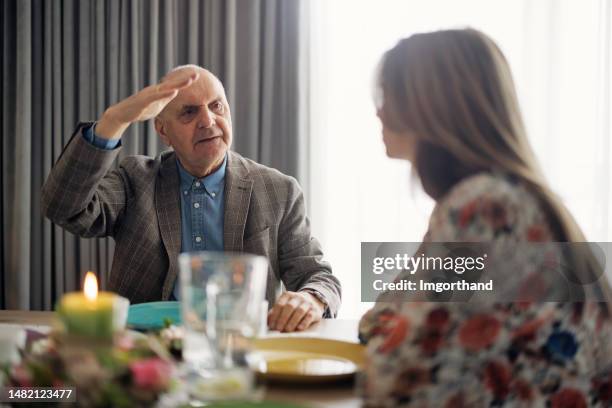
column 453, row 90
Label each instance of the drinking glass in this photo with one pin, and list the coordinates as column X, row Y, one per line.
column 221, row 301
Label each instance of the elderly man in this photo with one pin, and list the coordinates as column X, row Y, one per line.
column 197, row 196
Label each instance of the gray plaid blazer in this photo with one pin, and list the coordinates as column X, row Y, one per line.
column 138, row 204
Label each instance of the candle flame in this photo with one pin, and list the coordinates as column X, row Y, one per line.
column 91, row 286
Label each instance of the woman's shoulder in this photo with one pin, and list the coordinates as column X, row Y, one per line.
column 486, row 184
column 486, row 206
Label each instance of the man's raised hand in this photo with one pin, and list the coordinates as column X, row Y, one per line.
column 144, row 104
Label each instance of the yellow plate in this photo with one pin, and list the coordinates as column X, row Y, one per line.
column 307, row 359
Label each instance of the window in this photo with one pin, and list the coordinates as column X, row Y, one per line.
column 559, row 51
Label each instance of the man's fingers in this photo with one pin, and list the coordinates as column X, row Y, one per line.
column 298, row 315
column 294, row 311
column 273, row 316
column 276, row 310
column 308, row 319
column 155, row 94
column 167, row 94
column 178, row 83
column 180, row 74
column 286, row 312
column 168, row 89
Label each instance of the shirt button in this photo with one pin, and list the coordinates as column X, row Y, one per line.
column 213, row 194
column 197, row 184
column 185, row 192
column 196, row 205
column 198, row 239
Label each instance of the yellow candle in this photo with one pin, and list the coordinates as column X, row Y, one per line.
column 88, row 313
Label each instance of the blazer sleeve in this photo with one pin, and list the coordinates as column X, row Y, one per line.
column 82, row 194
column 301, row 262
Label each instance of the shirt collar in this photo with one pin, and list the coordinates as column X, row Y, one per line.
column 213, row 182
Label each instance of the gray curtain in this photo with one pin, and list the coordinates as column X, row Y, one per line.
column 65, row 61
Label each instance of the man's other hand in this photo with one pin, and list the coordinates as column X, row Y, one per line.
column 295, row 311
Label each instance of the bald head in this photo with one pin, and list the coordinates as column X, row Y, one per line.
column 206, row 80
column 190, row 68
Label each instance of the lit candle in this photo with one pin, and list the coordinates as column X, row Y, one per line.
column 91, row 313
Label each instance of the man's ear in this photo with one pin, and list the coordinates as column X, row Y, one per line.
column 161, row 131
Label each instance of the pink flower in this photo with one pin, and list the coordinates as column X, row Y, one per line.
column 395, row 329
column 21, row 376
column 568, row 398
column 456, row 401
column 151, row 373
column 467, row 213
column 431, row 341
column 495, row 213
column 536, row 233
column 438, row 318
column 497, row 378
column 603, row 388
column 522, row 389
column 125, row 342
column 411, row 379
column 527, row 331
column 479, row 332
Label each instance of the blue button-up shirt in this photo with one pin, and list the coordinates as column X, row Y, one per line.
column 201, row 211
column 202, row 202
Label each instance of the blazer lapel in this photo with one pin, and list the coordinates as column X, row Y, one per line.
column 168, row 207
column 237, row 198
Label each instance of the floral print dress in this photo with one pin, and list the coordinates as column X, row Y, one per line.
column 425, row 354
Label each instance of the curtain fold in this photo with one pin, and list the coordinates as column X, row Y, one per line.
column 66, row 61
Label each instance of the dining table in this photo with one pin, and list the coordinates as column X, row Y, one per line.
column 332, row 395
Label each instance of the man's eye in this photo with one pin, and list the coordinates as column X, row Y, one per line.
column 217, row 107
column 189, row 111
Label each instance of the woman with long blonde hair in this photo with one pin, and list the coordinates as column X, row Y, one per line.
column 448, row 105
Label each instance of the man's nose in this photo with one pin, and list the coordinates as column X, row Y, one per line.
column 207, row 118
